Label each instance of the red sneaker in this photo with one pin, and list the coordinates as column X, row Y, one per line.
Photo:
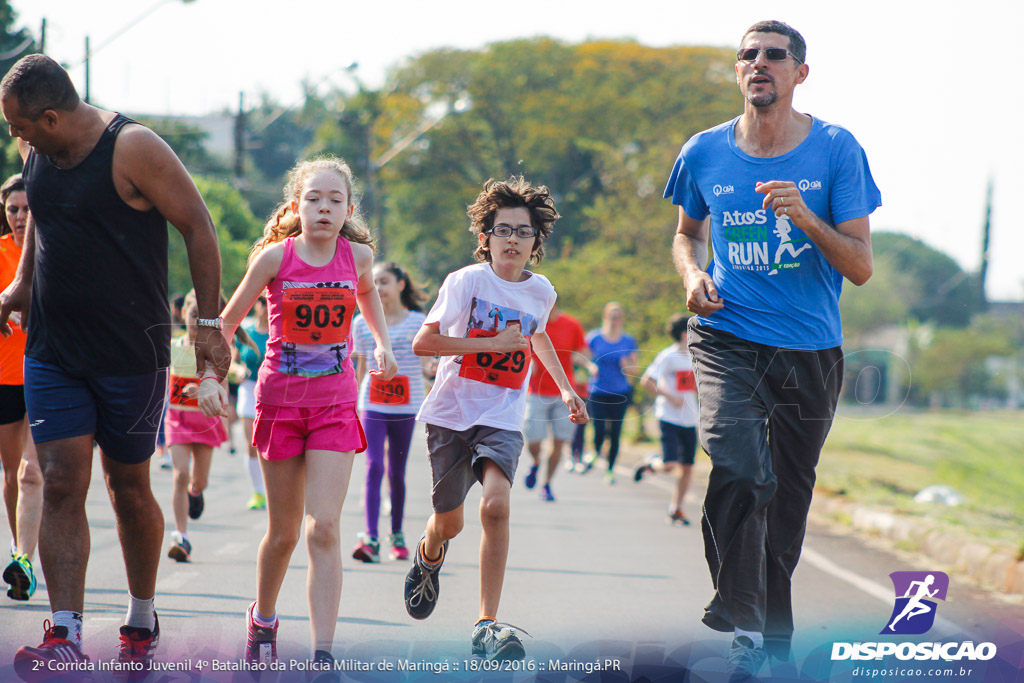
column 56, row 658
column 136, row 652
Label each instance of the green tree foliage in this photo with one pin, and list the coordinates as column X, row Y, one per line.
column 15, row 40
column 942, row 293
column 188, row 142
column 950, row 367
column 237, row 229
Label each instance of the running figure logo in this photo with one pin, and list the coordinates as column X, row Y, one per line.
column 782, row 231
column 914, row 612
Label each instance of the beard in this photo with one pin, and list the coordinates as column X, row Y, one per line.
column 765, row 99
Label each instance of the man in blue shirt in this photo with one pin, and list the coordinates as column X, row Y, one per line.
column 784, row 199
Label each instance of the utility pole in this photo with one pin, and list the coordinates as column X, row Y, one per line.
column 42, row 37
column 240, row 140
column 986, row 231
column 87, row 70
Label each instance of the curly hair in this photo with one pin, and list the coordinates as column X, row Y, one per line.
column 284, row 222
column 513, row 193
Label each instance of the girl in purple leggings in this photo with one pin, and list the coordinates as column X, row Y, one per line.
column 388, row 409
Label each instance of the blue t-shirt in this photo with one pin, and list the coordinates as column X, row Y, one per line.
column 777, row 286
column 607, row 356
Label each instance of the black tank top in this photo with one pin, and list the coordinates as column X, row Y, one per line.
column 99, row 294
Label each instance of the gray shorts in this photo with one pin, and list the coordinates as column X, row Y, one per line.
column 544, row 412
column 456, row 460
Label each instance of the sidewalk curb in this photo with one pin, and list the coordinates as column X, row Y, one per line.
column 991, row 567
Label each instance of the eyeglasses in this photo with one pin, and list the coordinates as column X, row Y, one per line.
column 772, row 54
column 522, row 231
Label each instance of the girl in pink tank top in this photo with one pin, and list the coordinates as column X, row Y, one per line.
column 315, row 264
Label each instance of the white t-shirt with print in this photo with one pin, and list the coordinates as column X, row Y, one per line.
column 474, row 301
column 672, row 369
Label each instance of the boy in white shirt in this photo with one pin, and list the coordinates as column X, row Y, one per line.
column 482, row 326
column 670, row 378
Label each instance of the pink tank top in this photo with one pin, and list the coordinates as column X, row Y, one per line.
column 310, row 311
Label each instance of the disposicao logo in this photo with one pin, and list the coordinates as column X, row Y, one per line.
column 913, row 613
column 916, row 593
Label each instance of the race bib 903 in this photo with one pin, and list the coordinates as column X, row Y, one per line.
column 314, row 315
column 501, row 369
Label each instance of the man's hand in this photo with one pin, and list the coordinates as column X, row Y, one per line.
column 15, row 299
column 212, row 352
column 510, row 339
column 701, row 294
column 784, row 199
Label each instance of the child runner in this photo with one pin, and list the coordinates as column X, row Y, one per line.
column 191, row 436
column 482, row 325
column 259, row 330
column 388, row 409
column 23, row 480
column 315, row 262
column 610, row 391
column 670, row 378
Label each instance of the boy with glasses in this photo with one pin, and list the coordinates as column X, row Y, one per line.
column 482, row 326
column 789, row 198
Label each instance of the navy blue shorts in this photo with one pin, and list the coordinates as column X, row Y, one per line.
column 123, row 413
column 678, row 444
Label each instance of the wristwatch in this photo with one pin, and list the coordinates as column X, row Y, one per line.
column 215, row 323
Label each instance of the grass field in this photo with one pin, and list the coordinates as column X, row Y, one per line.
column 884, row 460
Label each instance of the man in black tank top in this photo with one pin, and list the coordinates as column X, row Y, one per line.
column 92, row 290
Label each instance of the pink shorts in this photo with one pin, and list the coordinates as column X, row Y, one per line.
column 191, row 426
column 282, row 432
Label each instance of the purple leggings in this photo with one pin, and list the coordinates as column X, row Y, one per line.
column 397, row 429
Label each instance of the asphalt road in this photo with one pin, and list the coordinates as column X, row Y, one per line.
column 598, row 579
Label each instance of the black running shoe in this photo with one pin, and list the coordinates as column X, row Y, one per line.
column 196, row 504
column 497, row 640
column 422, row 585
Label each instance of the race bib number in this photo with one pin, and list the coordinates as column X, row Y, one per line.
column 502, row 369
column 392, row 393
column 178, row 398
column 314, row 315
column 685, row 381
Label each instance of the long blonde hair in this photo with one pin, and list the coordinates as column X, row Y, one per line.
column 284, row 222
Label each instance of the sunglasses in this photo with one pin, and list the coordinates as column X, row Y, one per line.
column 772, row 54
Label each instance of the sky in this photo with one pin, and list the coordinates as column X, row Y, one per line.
column 929, row 89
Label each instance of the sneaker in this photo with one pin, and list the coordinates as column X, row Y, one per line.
column 570, row 465
column 196, row 504
column 136, row 652
column 257, row 501
column 609, row 478
column 180, row 550
column 588, row 461
column 33, row 663
column 677, row 517
column 321, row 669
column 422, row 585
column 261, row 645
column 367, row 550
column 165, row 461
column 745, row 660
column 643, row 469
column 398, row 549
column 21, row 578
column 546, row 495
column 496, row 640
column 531, row 477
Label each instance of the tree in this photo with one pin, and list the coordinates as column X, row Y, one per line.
column 14, row 43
